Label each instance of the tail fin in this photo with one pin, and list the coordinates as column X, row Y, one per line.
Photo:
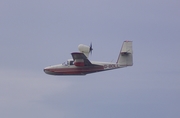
column 126, row 54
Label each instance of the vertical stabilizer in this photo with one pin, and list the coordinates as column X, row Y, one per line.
column 126, row 54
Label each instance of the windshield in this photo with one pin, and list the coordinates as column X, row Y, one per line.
column 64, row 64
column 69, row 62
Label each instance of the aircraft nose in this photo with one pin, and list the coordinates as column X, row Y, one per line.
column 46, row 70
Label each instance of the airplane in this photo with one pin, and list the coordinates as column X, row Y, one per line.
column 81, row 65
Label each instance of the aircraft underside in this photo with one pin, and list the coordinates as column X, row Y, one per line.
column 74, row 70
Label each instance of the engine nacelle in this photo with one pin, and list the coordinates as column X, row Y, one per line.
column 84, row 48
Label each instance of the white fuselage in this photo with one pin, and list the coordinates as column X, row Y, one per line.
column 70, row 69
column 80, row 65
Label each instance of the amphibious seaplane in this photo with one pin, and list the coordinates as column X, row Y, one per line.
column 80, row 64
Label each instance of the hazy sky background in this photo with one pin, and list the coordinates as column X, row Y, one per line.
column 38, row 33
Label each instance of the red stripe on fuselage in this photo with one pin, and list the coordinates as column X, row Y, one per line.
column 79, row 63
column 75, row 70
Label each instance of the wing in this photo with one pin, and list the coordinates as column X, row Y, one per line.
column 80, row 59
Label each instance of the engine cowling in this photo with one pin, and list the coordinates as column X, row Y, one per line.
column 84, row 48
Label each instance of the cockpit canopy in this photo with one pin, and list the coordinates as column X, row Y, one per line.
column 69, row 62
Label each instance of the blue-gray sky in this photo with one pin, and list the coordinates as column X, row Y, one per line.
column 35, row 34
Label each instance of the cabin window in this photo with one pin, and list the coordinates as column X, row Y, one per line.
column 71, row 62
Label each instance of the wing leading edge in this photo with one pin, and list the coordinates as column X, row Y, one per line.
column 80, row 59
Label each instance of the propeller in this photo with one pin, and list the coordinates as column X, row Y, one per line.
column 90, row 49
